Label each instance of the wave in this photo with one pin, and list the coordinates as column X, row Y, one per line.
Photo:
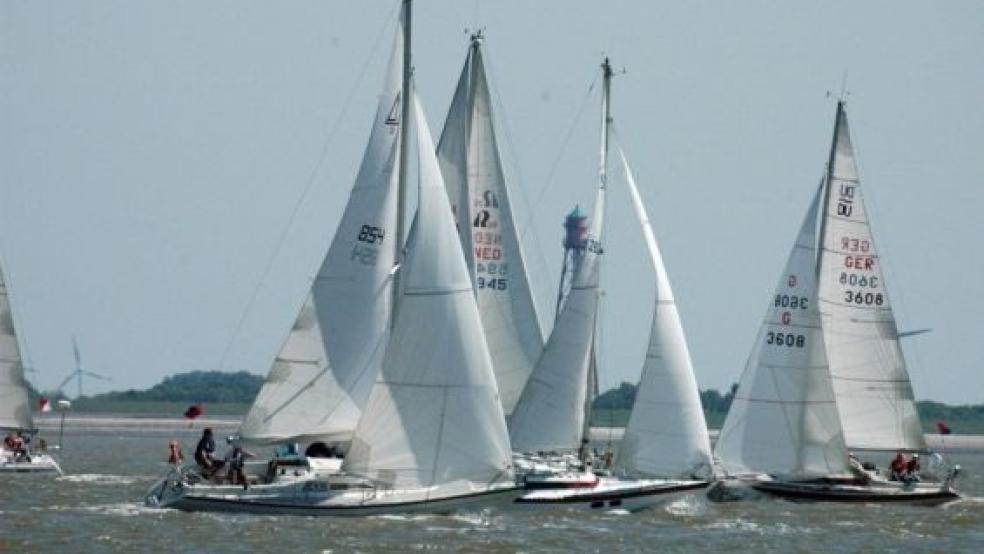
column 126, row 509
column 688, row 507
column 100, row 479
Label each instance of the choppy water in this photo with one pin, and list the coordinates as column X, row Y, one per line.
column 97, row 507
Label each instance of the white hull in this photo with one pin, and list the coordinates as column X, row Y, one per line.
column 316, row 496
column 39, row 463
column 612, row 493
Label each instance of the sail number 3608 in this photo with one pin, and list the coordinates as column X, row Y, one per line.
column 791, row 301
column 785, row 339
column 863, row 298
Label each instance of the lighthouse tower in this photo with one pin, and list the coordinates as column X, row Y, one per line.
column 575, row 241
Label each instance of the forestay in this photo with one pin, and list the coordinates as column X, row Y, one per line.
column 434, row 420
column 346, row 316
column 869, row 373
column 666, row 435
column 783, row 419
column 15, row 409
column 469, row 159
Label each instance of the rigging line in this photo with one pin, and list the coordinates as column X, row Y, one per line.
column 560, row 154
column 311, row 180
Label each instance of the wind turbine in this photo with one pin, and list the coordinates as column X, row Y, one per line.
column 79, row 372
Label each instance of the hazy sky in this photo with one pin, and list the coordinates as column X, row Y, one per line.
column 172, row 172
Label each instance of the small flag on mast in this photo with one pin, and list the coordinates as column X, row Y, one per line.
column 44, row 404
column 943, row 428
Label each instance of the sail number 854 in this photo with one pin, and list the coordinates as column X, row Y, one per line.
column 785, row 339
column 371, row 234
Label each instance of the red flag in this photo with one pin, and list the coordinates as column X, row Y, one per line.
column 194, row 411
column 44, row 404
column 943, row 428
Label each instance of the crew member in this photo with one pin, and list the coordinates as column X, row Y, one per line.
column 899, row 466
column 205, row 453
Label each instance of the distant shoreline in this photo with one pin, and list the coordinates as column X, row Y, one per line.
column 109, row 422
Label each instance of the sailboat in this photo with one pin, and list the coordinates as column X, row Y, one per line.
column 320, row 381
column 666, row 453
column 432, row 435
column 16, row 422
column 309, row 398
column 468, row 153
column 826, row 374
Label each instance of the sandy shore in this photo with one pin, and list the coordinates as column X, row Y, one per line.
column 114, row 422
column 950, row 443
column 223, row 424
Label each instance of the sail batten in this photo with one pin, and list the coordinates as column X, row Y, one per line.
column 469, row 158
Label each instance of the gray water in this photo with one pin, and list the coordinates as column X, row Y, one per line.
column 97, row 507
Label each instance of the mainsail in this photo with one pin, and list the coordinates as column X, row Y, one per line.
column 346, row 316
column 15, row 409
column 434, row 420
column 784, row 419
column 469, row 159
column 666, row 435
column 552, row 412
column 874, row 394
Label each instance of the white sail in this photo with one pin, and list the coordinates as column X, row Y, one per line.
column 15, row 409
column 553, row 411
column 873, row 390
column 346, row 316
column 434, row 420
column 469, row 157
column 551, row 414
column 784, row 419
column 666, row 435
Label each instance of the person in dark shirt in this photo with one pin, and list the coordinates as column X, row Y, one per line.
column 912, row 468
column 205, row 453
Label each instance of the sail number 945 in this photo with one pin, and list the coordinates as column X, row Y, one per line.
column 785, row 339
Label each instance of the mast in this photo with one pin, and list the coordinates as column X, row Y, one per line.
column 401, row 188
column 606, row 121
column 826, row 186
